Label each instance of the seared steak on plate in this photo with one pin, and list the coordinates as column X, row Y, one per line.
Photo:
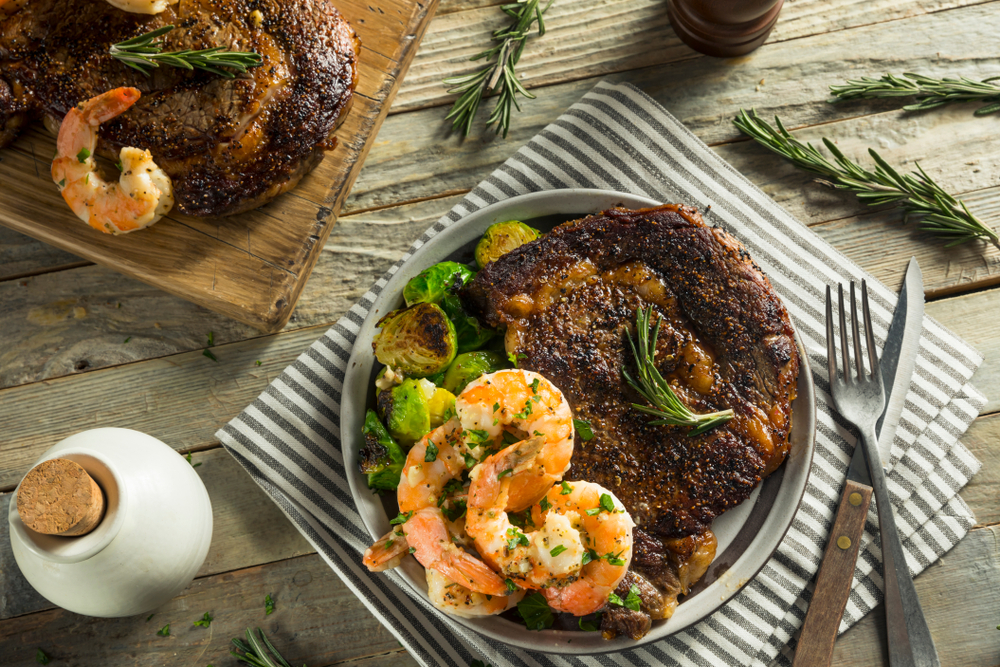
column 568, row 302
column 229, row 145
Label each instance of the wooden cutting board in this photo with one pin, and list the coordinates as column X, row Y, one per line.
column 252, row 266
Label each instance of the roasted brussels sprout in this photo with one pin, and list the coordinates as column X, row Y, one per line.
column 471, row 334
column 418, row 341
column 441, row 407
column 433, row 283
column 467, row 367
column 502, row 237
column 405, row 410
column 382, row 458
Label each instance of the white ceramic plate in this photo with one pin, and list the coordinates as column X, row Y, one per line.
column 748, row 535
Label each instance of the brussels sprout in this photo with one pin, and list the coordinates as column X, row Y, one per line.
column 441, row 407
column 467, row 367
column 471, row 334
column 431, row 284
column 502, row 237
column 418, row 341
column 381, row 458
column 405, row 410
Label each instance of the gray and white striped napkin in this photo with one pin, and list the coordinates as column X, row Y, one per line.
column 617, row 138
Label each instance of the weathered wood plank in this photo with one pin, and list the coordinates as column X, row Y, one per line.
column 584, row 39
column 982, row 492
column 248, row 530
column 22, row 256
column 317, row 621
column 706, row 93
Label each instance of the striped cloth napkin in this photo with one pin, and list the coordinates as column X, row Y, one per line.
column 617, row 138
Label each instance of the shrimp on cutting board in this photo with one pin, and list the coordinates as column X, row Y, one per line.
column 143, row 193
column 525, row 404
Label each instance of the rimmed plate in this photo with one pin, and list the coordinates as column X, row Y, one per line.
column 748, row 535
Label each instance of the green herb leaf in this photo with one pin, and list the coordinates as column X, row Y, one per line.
column 607, row 503
column 536, row 612
column 431, row 453
column 509, row 438
column 258, row 362
column 128, row 339
column 590, row 626
column 119, row 165
column 511, row 586
column 401, row 518
column 83, row 154
column 589, row 555
column 504, row 473
column 145, row 53
column 41, row 658
column 566, row 489
column 614, row 559
column 164, row 631
column 211, row 339
column 413, row 550
column 268, row 605
column 534, row 386
column 208, row 353
column 633, row 601
column 556, row 550
column 150, row 617
column 515, row 538
column 455, row 510
column 584, row 429
column 193, row 465
column 204, row 621
column 545, row 504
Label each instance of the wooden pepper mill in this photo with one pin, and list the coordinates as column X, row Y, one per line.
column 723, row 28
column 58, row 497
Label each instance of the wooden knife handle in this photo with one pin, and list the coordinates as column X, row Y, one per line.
column 833, row 585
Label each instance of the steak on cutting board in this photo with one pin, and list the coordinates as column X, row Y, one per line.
column 228, row 145
column 568, row 302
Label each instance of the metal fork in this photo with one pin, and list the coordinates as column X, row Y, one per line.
column 860, row 399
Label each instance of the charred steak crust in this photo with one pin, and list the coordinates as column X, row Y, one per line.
column 229, row 145
column 568, row 302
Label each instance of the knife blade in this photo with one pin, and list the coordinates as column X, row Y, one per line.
column 898, row 359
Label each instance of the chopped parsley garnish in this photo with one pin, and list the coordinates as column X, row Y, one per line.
column 82, row 157
column 515, row 538
column 41, row 658
column 258, row 362
column 211, row 339
column 204, row 621
column 539, row 434
column 544, row 504
column 588, row 626
column 62, row 184
column 453, row 486
column 401, row 518
column 607, row 505
column 632, row 601
column 523, row 414
column 534, row 386
column 613, row 559
column 536, row 612
column 455, row 510
column 496, row 407
column 431, row 454
column 511, row 586
column 584, row 429
column 566, row 489
column 193, row 465
column 505, row 473
column 413, row 550
column 521, row 519
column 268, row 605
column 477, row 437
column 150, row 617
column 164, row 631
column 509, row 438
column 208, row 353
column 119, row 165
column 555, row 551
column 128, row 339
column 470, row 461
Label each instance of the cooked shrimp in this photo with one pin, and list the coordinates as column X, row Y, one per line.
column 606, row 531
column 433, row 462
column 525, row 404
column 143, row 193
column 428, row 536
column 387, row 553
column 142, row 6
column 453, row 598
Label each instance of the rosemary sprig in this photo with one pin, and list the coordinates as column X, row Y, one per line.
column 257, row 652
column 916, row 193
column 498, row 76
column 657, row 391
column 930, row 93
column 145, row 53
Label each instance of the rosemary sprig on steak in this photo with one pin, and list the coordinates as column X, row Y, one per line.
column 916, row 193
column 145, row 53
column 499, row 76
column 930, row 93
column 664, row 403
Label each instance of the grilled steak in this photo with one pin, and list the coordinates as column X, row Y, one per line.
column 568, row 302
column 229, row 145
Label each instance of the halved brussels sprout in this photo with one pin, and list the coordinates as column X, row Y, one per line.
column 467, row 367
column 471, row 334
column 502, row 237
column 418, row 341
column 441, row 407
column 382, row 458
column 405, row 410
column 433, row 283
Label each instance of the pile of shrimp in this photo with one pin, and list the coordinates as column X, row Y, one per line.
column 513, row 436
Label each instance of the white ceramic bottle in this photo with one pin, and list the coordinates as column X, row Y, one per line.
column 150, row 544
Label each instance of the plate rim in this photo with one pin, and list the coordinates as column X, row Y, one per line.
column 554, row 641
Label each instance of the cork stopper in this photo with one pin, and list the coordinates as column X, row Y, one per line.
column 58, row 497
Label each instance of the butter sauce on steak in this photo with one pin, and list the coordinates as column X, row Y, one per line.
column 568, row 302
column 228, row 145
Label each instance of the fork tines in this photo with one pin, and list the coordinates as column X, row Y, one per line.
column 869, row 337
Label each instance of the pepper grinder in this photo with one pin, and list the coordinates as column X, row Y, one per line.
column 110, row 522
column 723, row 28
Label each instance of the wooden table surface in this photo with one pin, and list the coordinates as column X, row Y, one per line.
column 84, row 347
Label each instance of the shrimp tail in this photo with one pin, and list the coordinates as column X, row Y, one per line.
column 471, row 573
column 495, row 471
column 386, row 553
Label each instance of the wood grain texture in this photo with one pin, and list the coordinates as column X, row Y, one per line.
column 248, row 530
column 833, row 581
column 250, row 267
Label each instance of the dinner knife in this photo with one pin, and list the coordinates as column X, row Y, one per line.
column 833, row 584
